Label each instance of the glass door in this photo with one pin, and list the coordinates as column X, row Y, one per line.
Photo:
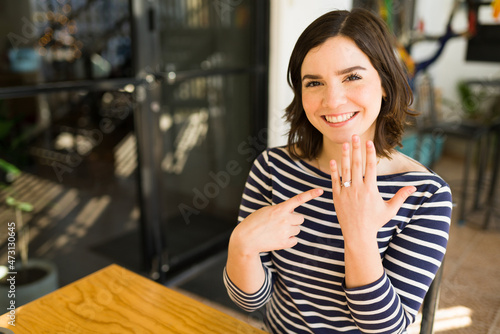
column 205, row 123
column 67, row 106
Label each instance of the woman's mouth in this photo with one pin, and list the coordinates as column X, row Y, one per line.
column 339, row 118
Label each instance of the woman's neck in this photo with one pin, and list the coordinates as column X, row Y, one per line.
column 333, row 151
column 397, row 163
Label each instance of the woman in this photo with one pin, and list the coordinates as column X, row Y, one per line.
column 338, row 231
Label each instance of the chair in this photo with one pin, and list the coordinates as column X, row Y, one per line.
column 430, row 304
column 492, row 192
column 473, row 132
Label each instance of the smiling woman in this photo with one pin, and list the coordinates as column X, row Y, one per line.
column 363, row 262
column 345, row 95
column 373, row 47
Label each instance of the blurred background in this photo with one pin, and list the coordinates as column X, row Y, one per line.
column 128, row 127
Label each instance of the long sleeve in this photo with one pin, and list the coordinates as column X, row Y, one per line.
column 249, row 302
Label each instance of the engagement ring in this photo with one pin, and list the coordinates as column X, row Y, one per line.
column 347, row 184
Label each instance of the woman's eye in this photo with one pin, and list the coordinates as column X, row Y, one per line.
column 312, row 84
column 352, row 77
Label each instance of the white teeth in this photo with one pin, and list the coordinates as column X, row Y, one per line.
column 339, row 118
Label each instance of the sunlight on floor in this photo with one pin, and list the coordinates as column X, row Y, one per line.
column 126, row 156
column 84, row 221
column 446, row 319
column 38, row 192
column 192, row 133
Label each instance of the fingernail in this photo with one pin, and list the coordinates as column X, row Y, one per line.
column 411, row 191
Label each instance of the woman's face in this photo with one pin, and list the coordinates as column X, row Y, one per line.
column 341, row 91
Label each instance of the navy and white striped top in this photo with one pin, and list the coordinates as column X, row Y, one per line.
column 304, row 288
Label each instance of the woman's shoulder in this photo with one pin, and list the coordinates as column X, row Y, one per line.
column 277, row 152
column 271, row 155
column 402, row 163
column 280, row 159
column 410, row 170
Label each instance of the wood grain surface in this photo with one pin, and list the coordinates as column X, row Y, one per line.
column 116, row 300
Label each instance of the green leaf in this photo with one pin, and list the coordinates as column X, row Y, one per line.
column 9, row 168
column 24, row 206
column 10, row 201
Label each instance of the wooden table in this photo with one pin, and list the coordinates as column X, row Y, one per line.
column 116, row 300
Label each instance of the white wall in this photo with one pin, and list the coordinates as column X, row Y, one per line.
column 288, row 19
column 451, row 66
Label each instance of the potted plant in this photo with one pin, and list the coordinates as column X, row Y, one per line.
column 25, row 280
column 479, row 101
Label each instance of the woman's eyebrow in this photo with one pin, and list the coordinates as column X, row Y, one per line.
column 340, row 72
column 311, row 76
column 350, row 69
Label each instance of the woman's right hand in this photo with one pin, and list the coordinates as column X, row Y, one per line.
column 272, row 227
column 269, row 228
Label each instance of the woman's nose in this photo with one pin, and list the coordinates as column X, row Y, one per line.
column 334, row 96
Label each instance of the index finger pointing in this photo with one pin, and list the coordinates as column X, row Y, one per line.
column 302, row 198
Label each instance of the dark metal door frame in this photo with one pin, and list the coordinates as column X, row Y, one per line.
column 146, row 56
column 147, row 60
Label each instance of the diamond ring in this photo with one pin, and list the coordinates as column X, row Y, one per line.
column 347, row 184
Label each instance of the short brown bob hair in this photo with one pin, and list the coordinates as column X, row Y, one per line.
column 371, row 35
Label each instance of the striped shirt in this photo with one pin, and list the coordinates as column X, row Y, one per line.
column 304, row 289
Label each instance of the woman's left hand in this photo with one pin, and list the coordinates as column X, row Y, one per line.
column 361, row 210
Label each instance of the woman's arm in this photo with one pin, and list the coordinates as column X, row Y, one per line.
column 378, row 303
column 269, row 228
column 361, row 212
column 410, row 263
column 264, row 227
column 243, row 266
